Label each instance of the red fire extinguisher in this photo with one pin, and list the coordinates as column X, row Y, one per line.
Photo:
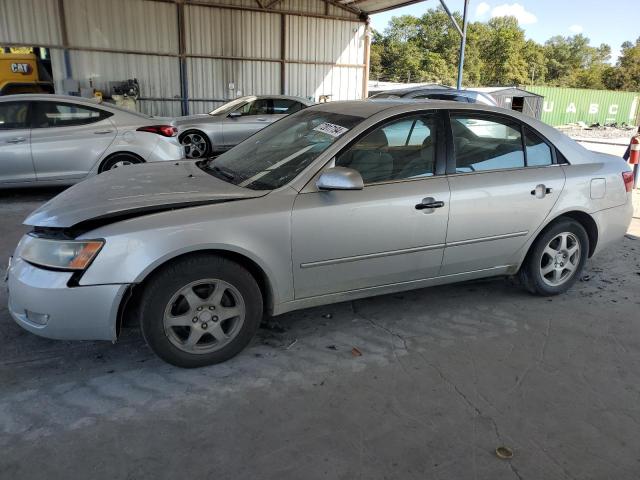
column 634, row 150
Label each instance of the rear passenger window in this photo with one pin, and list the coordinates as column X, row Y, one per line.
column 54, row 114
column 482, row 144
column 538, row 152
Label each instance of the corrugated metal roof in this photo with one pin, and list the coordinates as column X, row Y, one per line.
column 374, row 6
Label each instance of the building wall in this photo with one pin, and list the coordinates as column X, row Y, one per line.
column 228, row 48
column 571, row 105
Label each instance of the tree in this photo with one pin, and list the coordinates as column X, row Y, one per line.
column 502, row 53
column 426, row 49
column 627, row 74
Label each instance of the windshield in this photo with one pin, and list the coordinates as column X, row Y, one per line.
column 228, row 107
column 276, row 155
column 385, row 95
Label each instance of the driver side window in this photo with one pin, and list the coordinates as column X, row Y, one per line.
column 257, row 107
column 399, row 150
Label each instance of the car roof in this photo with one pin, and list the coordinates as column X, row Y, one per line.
column 408, row 91
column 391, row 107
column 47, row 96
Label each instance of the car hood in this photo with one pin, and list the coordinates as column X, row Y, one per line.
column 136, row 190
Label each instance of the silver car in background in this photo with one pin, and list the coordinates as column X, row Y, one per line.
column 60, row 140
column 337, row 202
column 217, row 131
column 451, row 94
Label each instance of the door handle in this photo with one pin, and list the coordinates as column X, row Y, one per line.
column 17, row 140
column 541, row 191
column 429, row 203
column 102, row 132
column 262, row 119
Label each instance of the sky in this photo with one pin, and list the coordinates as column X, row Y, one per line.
column 612, row 22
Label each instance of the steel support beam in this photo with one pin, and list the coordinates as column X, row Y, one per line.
column 463, row 35
column 463, row 43
column 182, row 60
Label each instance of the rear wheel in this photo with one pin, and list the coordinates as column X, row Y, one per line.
column 196, row 144
column 200, row 310
column 557, row 259
column 119, row 160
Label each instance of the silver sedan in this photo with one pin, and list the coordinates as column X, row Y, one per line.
column 60, row 140
column 217, row 131
column 337, row 202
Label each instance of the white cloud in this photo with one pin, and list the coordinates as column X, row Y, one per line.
column 482, row 9
column 576, row 29
column 514, row 10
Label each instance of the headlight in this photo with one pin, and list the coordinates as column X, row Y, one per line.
column 61, row 254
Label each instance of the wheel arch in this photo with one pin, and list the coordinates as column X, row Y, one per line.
column 115, row 154
column 583, row 218
column 588, row 223
column 131, row 302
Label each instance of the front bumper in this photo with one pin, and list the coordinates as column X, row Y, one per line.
column 41, row 302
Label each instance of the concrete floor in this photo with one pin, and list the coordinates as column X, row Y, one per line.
column 446, row 375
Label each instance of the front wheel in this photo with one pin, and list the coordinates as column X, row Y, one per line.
column 557, row 259
column 200, row 310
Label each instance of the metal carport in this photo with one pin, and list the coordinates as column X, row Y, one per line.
column 191, row 55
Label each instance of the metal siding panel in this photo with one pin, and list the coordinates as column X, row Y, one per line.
column 311, row 81
column 196, row 106
column 219, row 31
column 304, row 6
column 619, row 107
column 147, row 26
column 209, row 78
column 158, row 76
column 160, row 108
column 334, row 41
column 34, row 22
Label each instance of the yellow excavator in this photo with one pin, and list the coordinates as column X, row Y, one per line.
column 21, row 72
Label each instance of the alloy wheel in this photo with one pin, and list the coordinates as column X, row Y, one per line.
column 195, row 145
column 204, row 316
column 560, row 259
column 119, row 164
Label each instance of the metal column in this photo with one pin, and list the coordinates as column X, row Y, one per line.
column 463, row 43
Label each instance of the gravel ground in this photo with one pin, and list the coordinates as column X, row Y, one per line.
column 446, row 375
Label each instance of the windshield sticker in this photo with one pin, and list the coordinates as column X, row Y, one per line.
column 331, row 129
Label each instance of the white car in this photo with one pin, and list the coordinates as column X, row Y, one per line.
column 60, row 140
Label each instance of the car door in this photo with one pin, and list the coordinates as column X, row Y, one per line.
column 503, row 185
column 247, row 120
column 67, row 139
column 385, row 233
column 15, row 151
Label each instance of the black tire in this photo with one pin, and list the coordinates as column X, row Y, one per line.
column 165, row 284
column 204, row 152
column 115, row 161
column 531, row 272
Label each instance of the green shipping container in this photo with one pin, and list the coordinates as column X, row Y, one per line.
column 572, row 105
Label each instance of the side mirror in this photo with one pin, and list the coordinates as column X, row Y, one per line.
column 340, row 178
column 235, row 114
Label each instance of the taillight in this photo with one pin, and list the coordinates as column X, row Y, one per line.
column 164, row 130
column 627, row 178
